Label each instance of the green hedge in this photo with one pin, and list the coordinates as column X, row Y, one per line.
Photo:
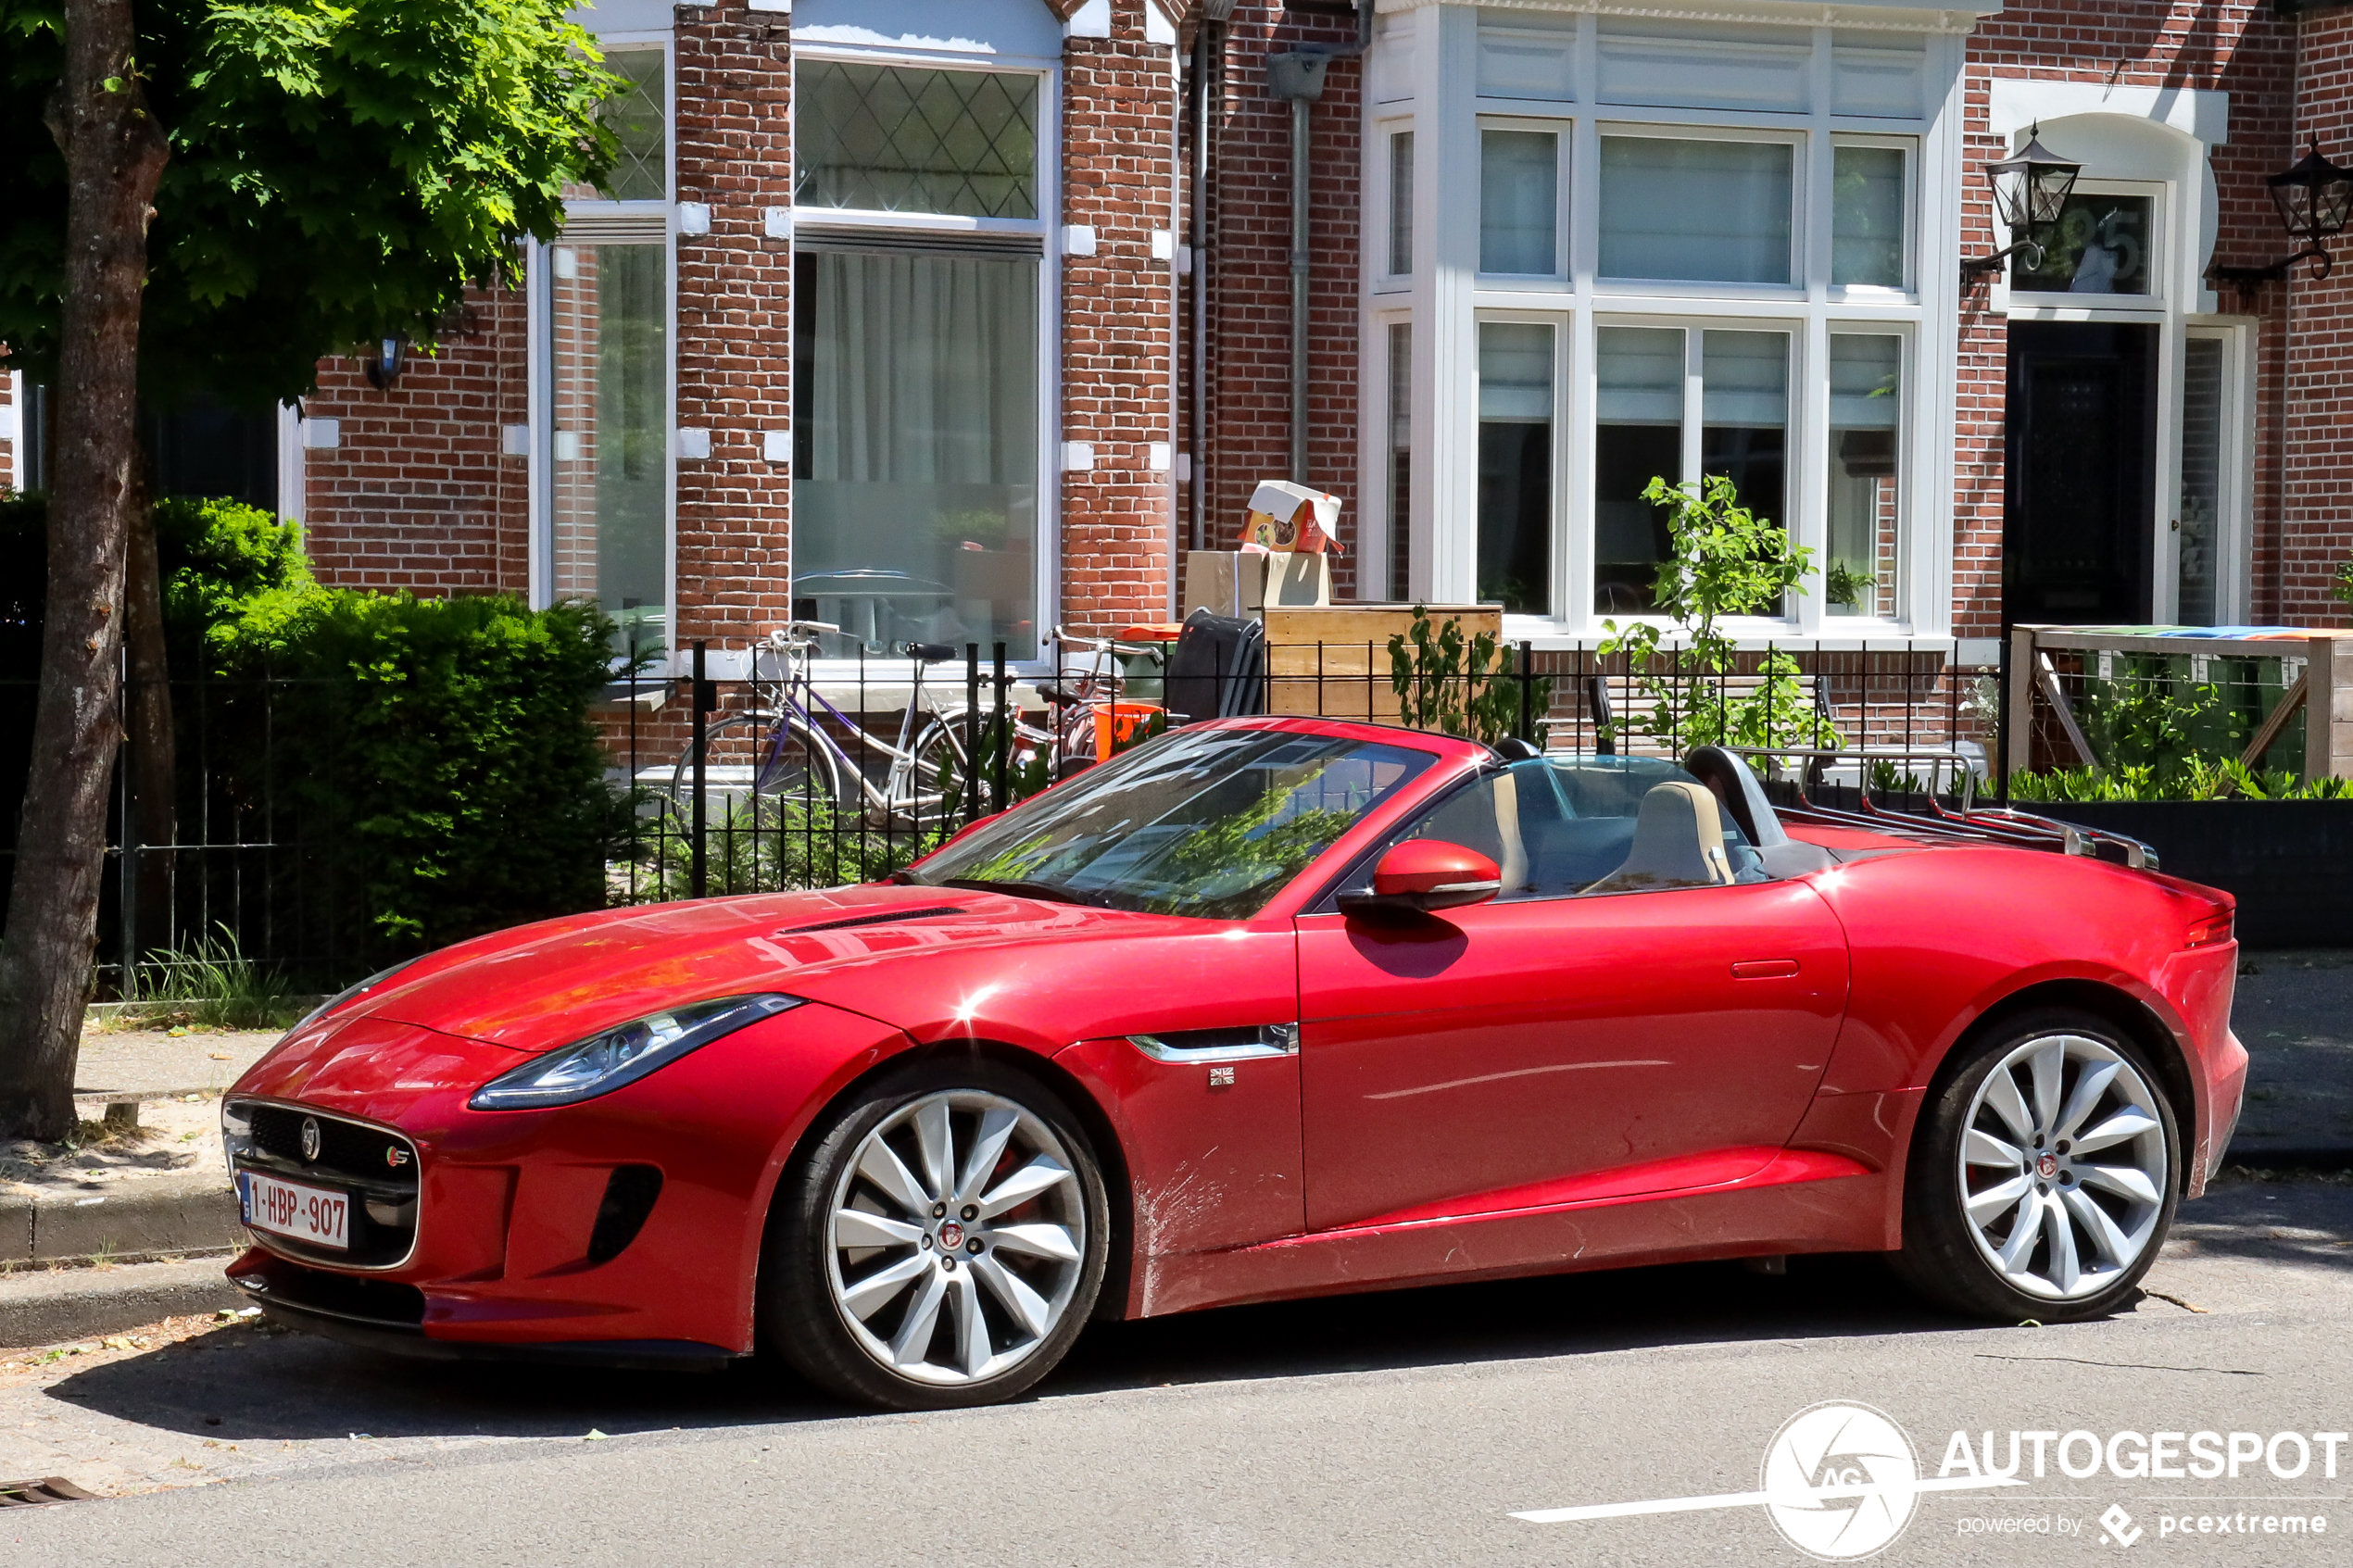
column 448, row 741
column 434, row 757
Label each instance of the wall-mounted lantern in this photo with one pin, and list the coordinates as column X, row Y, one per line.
column 2029, row 191
column 383, row 367
column 2314, row 197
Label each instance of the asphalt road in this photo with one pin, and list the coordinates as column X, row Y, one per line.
column 1397, row 1429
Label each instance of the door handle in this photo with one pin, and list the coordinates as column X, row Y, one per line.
column 1764, row 969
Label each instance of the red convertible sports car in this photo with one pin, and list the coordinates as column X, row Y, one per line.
column 1266, row 1007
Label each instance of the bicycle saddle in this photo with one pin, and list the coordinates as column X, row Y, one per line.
column 931, row 653
column 1054, row 692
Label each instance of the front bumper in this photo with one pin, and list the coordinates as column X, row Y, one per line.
column 515, row 1246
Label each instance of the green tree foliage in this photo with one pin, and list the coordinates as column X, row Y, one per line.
column 1723, row 561
column 338, row 173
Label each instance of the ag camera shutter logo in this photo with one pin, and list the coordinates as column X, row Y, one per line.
column 1841, row 1481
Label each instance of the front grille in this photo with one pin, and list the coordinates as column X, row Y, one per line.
column 376, row 1302
column 377, row 1167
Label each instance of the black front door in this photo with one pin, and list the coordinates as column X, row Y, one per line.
column 2082, row 469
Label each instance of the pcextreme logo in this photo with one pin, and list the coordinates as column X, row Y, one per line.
column 1841, row 1481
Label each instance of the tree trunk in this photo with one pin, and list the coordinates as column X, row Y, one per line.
column 114, row 154
column 151, row 752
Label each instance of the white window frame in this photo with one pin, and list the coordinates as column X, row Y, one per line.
column 1381, row 522
column 1563, row 129
column 655, row 222
column 2054, row 305
column 1385, row 205
column 1910, row 287
column 2234, row 480
column 1800, row 239
column 1814, row 608
column 882, row 683
column 1564, row 323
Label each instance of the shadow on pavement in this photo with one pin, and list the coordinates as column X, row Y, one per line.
column 255, row 1384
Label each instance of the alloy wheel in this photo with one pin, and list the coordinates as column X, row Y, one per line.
column 955, row 1237
column 2064, row 1166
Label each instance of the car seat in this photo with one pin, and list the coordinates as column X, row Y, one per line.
column 1679, row 841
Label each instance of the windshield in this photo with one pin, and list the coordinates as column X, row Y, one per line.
column 1207, row 823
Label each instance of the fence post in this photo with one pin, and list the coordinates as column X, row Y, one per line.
column 697, row 872
column 972, row 731
column 999, row 735
column 1526, row 668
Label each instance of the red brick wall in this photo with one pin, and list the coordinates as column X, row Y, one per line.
column 1250, row 320
column 2236, row 46
column 2310, row 356
column 734, row 151
column 418, row 494
column 1119, row 101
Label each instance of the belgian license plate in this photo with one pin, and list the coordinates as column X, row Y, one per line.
column 304, row 1214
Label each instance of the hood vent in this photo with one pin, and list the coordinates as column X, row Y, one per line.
column 891, row 918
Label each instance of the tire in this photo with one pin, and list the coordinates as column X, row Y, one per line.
column 885, row 1285
column 1999, row 1149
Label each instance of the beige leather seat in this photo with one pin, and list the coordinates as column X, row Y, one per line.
column 1679, row 841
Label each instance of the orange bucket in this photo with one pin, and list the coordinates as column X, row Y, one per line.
column 1116, row 724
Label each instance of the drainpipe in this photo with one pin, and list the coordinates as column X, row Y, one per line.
column 1297, row 77
column 1209, row 59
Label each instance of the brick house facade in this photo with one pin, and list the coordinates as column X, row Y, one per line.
column 957, row 320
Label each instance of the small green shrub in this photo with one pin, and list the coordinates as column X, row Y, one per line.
column 2196, row 779
column 1462, row 686
column 766, row 844
column 1722, row 559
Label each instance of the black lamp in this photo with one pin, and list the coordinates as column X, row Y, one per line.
column 2031, row 190
column 2314, row 197
column 383, row 367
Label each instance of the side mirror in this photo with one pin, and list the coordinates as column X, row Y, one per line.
column 1422, row 876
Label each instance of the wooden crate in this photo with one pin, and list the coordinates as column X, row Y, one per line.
column 1333, row 660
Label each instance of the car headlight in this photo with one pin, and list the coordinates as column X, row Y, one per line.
column 352, row 994
column 622, row 1054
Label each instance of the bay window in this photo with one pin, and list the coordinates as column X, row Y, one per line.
column 1670, row 248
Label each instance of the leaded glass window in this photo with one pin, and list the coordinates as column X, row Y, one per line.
column 891, row 139
column 634, row 116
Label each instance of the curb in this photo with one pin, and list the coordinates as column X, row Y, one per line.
column 44, row 1308
column 156, row 1214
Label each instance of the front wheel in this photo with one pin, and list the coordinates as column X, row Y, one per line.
column 2044, row 1178
column 941, row 1245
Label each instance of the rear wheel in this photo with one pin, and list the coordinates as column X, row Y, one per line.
column 941, row 1245
column 2044, row 1175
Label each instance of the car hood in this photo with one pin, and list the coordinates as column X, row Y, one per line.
column 540, row 987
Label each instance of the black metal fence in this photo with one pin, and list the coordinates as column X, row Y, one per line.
column 765, row 780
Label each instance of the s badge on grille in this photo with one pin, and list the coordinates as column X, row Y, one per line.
column 395, row 1157
column 309, row 1139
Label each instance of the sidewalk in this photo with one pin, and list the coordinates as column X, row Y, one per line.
column 155, row 1189
column 2294, row 1013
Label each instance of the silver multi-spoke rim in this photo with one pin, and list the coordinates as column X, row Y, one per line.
column 2063, row 1167
column 956, row 1237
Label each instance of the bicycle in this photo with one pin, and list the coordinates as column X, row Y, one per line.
column 814, row 751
